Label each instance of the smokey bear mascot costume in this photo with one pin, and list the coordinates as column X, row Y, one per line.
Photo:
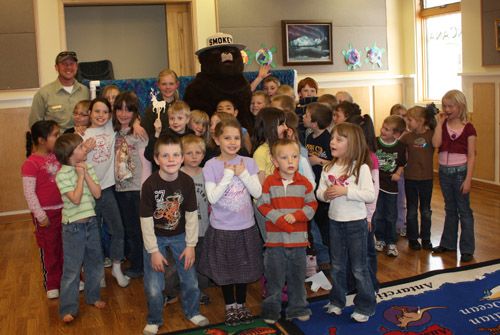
column 221, row 77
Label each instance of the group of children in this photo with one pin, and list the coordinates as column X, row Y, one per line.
column 229, row 206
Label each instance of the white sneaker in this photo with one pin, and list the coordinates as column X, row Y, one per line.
column 402, row 232
column 392, row 250
column 199, row 320
column 379, row 245
column 53, row 294
column 303, row 318
column 150, row 329
column 120, row 278
column 270, row 321
column 358, row 317
column 332, row 309
column 81, row 286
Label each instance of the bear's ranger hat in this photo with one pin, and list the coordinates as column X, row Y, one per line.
column 220, row 40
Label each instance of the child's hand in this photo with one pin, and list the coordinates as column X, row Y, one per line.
column 239, row 168
column 441, row 117
column 89, row 144
column 228, row 166
column 80, row 168
column 80, row 130
column 395, row 177
column 315, row 160
column 158, row 261
column 335, row 191
column 140, row 132
column 189, row 257
column 289, row 218
column 157, row 125
column 465, row 187
column 44, row 223
column 264, row 71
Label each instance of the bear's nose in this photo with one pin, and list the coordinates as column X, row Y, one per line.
column 226, row 57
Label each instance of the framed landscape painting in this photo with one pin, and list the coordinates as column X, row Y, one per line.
column 306, row 42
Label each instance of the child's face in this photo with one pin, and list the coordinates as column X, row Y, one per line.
column 81, row 116
column 169, row 158
column 451, row 109
column 193, row 155
column 258, row 102
column 227, row 107
column 338, row 146
column 178, row 122
column 213, row 122
column 307, row 119
column 167, row 85
column 270, row 88
column 388, row 133
column 229, row 141
column 282, row 130
column 99, row 115
column 51, row 139
column 339, row 116
column 124, row 116
column 198, row 127
column 414, row 123
column 79, row 155
column 111, row 95
column 286, row 160
column 307, row 91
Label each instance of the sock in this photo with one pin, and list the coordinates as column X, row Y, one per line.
column 118, row 274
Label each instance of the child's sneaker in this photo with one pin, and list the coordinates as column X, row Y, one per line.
column 303, row 318
column 379, row 246
column 244, row 315
column 402, row 232
column 426, row 244
column 199, row 320
column 332, row 309
column 414, row 245
column 231, row 318
column 270, row 321
column 53, row 294
column 358, row 317
column 108, row 262
column 392, row 250
column 81, row 286
column 204, row 299
column 102, row 284
column 150, row 329
column 121, row 279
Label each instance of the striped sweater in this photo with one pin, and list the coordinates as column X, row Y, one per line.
column 277, row 200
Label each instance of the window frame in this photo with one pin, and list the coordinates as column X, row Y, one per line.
column 422, row 15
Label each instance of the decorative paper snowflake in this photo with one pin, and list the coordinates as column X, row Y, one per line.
column 352, row 58
column 264, row 56
column 247, row 56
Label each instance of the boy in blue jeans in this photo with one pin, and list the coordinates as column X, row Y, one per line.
column 169, row 219
column 288, row 203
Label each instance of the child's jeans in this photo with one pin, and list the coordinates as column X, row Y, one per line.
column 457, row 207
column 419, row 192
column 154, row 282
column 351, row 238
column 285, row 265
column 82, row 246
column 49, row 240
column 107, row 209
column 385, row 217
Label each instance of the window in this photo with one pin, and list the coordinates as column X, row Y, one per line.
column 441, row 47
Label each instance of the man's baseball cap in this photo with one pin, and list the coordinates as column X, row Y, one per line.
column 63, row 55
column 219, row 40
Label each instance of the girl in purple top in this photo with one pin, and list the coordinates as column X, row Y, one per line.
column 232, row 250
column 456, row 140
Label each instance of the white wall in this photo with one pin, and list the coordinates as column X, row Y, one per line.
column 133, row 38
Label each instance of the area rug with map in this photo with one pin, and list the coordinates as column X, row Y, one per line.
column 463, row 300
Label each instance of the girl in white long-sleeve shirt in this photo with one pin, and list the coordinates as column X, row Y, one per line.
column 346, row 183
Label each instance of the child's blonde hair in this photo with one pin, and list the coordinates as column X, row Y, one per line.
column 456, row 97
column 199, row 116
column 396, row 108
column 286, row 90
column 357, row 152
column 108, row 88
column 178, row 107
column 263, row 94
column 286, row 102
column 168, row 72
column 281, row 143
column 425, row 114
column 344, row 96
column 271, row 79
column 193, row 139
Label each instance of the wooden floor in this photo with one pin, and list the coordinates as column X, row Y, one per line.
column 24, row 308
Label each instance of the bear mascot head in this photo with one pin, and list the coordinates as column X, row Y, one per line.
column 221, row 78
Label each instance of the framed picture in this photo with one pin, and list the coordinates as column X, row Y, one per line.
column 497, row 34
column 307, row 42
